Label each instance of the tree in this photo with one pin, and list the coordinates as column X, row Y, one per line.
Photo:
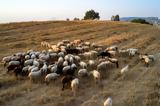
column 142, row 21
column 67, row 19
column 115, row 18
column 91, row 14
column 76, row 19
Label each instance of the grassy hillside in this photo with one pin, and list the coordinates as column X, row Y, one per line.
column 139, row 87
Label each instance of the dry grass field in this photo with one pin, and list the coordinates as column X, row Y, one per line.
column 139, row 87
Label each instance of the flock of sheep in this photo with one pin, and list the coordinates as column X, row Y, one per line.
column 70, row 61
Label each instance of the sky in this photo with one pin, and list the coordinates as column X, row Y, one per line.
column 39, row 10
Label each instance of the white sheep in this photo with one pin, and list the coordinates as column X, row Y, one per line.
column 83, row 65
column 65, row 63
column 27, row 57
column 74, row 85
column 35, row 76
column 151, row 57
column 28, row 62
column 73, row 66
column 108, row 102
column 6, row 59
column 44, row 68
column 77, row 59
column 147, row 59
column 34, row 69
column 60, row 61
column 36, row 63
column 51, row 76
column 92, row 64
column 132, row 51
column 82, row 72
column 54, row 69
column 125, row 69
column 96, row 75
column 61, row 54
column 66, row 68
column 123, row 52
column 113, row 53
column 14, row 63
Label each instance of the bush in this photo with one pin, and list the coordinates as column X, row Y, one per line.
column 141, row 21
column 91, row 14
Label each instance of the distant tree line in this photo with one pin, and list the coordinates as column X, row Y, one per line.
column 141, row 21
column 92, row 15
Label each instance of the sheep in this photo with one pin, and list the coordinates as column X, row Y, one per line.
column 66, row 41
column 65, row 63
column 112, row 48
column 132, row 51
column 72, row 51
column 13, row 63
column 82, row 72
column 27, row 57
column 71, row 60
column 146, row 59
column 66, row 68
column 28, row 62
column 34, row 69
column 6, row 59
column 123, row 52
column 113, row 53
column 102, row 66
column 36, row 63
column 35, row 76
column 60, row 61
column 77, row 59
column 114, row 60
column 103, row 54
column 85, row 48
column 74, row 85
column 61, row 54
column 90, row 55
column 92, row 64
column 44, row 68
column 66, row 80
column 33, row 56
column 54, row 69
column 108, row 102
column 51, row 76
column 96, row 76
column 87, row 43
column 124, row 69
column 73, row 66
column 60, row 44
column 83, row 65
column 76, row 42
column 66, row 57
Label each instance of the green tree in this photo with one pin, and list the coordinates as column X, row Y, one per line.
column 91, row 14
column 142, row 21
column 76, row 19
column 115, row 18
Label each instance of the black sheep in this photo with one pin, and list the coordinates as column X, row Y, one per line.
column 103, row 54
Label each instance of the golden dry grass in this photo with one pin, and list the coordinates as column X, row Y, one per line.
column 139, row 87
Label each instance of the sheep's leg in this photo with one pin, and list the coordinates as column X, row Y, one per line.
column 5, row 64
column 63, row 87
column 117, row 64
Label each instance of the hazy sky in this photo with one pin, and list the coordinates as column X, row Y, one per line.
column 28, row 10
